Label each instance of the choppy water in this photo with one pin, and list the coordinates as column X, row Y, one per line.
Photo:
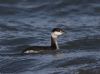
column 29, row 22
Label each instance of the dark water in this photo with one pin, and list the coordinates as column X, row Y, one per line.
column 29, row 22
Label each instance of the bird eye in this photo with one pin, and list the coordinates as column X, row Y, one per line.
column 59, row 30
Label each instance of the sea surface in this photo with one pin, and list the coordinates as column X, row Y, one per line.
column 25, row 23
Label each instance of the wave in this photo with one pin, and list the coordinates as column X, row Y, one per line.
column 85, row 43
column 52, row 7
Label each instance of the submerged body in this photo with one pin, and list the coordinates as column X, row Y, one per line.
column 54, row 45
column 37, row 49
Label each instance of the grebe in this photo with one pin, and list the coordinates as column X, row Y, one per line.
column 54, row 45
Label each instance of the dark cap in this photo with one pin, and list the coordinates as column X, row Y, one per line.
column 57, row 29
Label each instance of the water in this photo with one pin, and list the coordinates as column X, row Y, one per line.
column 29, row 22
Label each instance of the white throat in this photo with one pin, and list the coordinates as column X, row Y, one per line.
column 54, row 35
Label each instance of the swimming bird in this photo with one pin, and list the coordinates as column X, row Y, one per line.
column 54, row 44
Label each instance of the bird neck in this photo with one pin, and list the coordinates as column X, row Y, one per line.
column 54, row 43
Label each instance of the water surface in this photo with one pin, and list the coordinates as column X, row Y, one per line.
column 26, row 23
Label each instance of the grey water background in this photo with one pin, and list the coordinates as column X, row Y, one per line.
column 26, row 23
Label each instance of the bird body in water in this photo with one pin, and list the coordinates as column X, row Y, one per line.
column 54, row 45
